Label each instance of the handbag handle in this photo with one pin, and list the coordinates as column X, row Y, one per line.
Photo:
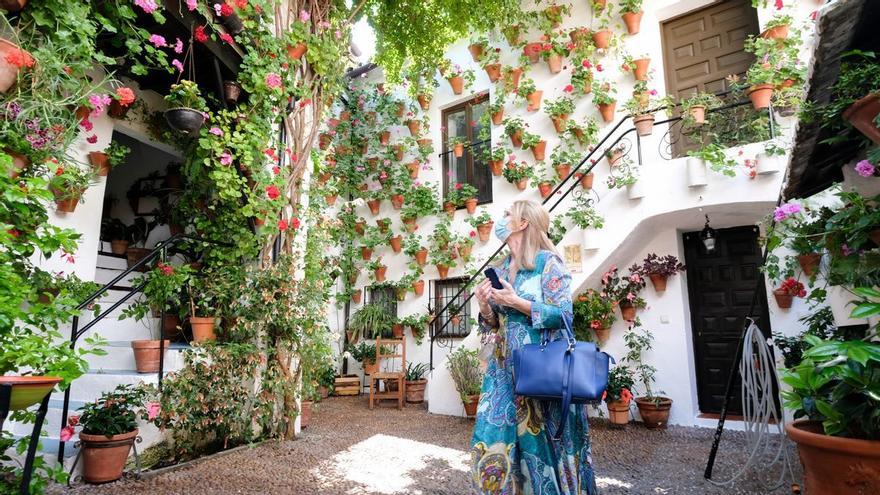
column 567, row 370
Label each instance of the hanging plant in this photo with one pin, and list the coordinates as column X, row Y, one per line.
column 187, row 112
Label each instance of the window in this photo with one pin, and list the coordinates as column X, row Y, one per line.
column 459, row 327
column 386, row 297
column 464, row 120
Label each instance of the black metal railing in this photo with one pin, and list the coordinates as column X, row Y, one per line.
column 437, row 328
column 160, row 252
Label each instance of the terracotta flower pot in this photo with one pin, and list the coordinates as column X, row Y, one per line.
column 654, row 412
column 534, row 99
column 424, row 102
column 476, row 50
column 498, row 117
column 539, row 150
column 442, row 270
column 599, row 4
column 496, row 167
column 607, row 111
column 544, row 188
column 760, row 96
column 470, row 407
column 413, row 169
column 493, row 71
column 399, row 152
column 456, row 83
column 809, row 263
column 295, row 52
column 397, row 331
column 371, row 368
column 418, row 287
column 602, row 38
column 305, row 413
column 100, row 162
column 28, row 390
column 19, row 163
column 776, row 32
column 396, row 242
column 522, row 184
column 458, row 150
column 554, row 63
column 359, row 227
column 415, row 391
column 586, row 180
column 471, row 205
column 68, row 204
column 356, row 297
column 424, row 142
column 602, row 334
column 618, row 412
column 12, row 6
column 330, row 199
column 835, row 465
column 9, row 71
column 410, row 224
column 374, row 205
column 861, row 115
column 560, row 122
column 103, row 457
column 615, row 156
column 203, row 328
column 627, row 310
column 379, row 273
column 383, row 225
column 135, row 254
column 641, row 70
column 658, row 280
column 344, row 115
column 384, row 137
column 146, row 354
column 414, row 126
column 633, row 21
column 698, row 113
column 562, row 170
column 422, row 257
column 533, row 52
column 117, row 110
column 401, row 109
column 118, row 246
column 516, row 139
column 783, row 299
column 397, row 201
column 644, row 124
column 514, row 74
column 578, row 35
column 484, row 230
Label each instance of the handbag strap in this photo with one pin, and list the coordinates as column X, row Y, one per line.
column 567, row 372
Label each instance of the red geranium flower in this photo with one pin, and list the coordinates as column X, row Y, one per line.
column 125, row 96
column 282, row 225
column 226, row 10
column 294, row 222
column 569, row 88
column 200, row 35
column 227, row 38
column 272, row 192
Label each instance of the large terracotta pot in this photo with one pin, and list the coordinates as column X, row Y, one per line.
column 135, row 254
column 658, row 280
column 100, row 162
column 835, row 465
column 28, row 390
column 760, row 95
column 203, row 328
column 146, row 354
column 422, row 257
column 641, row 70
column 470, row 407
column 534, row 99
column 8, row 71
column 655, row 411
column 618, row 412
column 633, row 21
column 415, row 391
column 442, row 271
column 607, row 111
column 809, row 262
column 861, row 115
column 118, row 246
column 305, row 414
column 103, row 457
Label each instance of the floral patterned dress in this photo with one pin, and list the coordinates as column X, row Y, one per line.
column 512, row 451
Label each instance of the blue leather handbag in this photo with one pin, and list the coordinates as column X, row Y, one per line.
column 566, row 370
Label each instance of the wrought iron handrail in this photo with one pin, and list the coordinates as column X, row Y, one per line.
column 161, row 251
column 553, row 192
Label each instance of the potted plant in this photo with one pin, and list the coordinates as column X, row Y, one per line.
column 638, row 66
column 496, row 110
column 109, row 429
column 593, row 312
column 537, row 145
column 12, row 60
column 659, row 269
column 617, row 394
column 483, row 223
column 518, row 175
column 777, row 27
column 603, row 37
column 654, row 409
column 103, row 161
column 459, row 78
column 370, row 321
column 491, row 64
column 631, row 11
column 788, row 289
column 116, row 233
column 603, row 97
column 187, row 112
column 514, row 127
column 495, row 158
column 377, row 268
column 582, row 79
column 441, row 253
column 416, row 382
column 694, row 108
column 559, row 110
column 457, row 143
column 464, row 367
column 553, row 51
column 762, row 78
column 138, row 233
column 531, row 94
column 562, row 158
column 365, row 354
column 203, row 311
column 642, row 106
column 625, row 291
column 545, row 178
column 68, row 183
column 478, row 47
column 464, row 194
column 412, row 246
column 421, row 201
column 583, row 214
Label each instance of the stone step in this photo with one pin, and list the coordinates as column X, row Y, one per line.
column 127, row 329
column 121, row 357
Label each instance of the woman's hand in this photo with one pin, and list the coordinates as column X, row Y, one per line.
column 483, row 292
column 507, row 297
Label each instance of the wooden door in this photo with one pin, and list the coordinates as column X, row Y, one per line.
column 721, row 285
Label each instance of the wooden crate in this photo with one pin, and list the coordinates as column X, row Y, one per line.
column 347, row 385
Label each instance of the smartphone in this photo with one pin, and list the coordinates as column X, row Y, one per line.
column 492, row 275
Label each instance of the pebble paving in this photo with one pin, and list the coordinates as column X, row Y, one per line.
column 349, row 450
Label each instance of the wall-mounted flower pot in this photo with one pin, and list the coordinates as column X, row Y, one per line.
column 698, row 113
column 330, row 199
column 809, row 263
column 231, row 91
column 414, row 126
column 554, row 63
column 783, row 299
column 442, row 271
column 696, row 172
column 516, row 139
column 627, row 310
column 103, row 457
column 185, row 120
column 512, row 34
column 470, row 406
column 534, row 99
column 476, row 50
column 522, row 184
column 470, row 205
column 544, row 187
column 410, row 224
column 356, row 297
column 117, row 110
column 644, row 124
column 379, row 273
column 458, row 150
column 203, row 328
column 100, row 163
column 514, row 75
column 345, row 115
column 607, row 111
column 401, row 109
column 602, row 334
column 424, row 143
column 449, row 208
column 578, row 35
column 399, row 152
column 560, row 123
column 19, row 163
column 28, row 390
column 498, row 117
column 424, row 102
column 146, row 354
column 66, row 201
column 12, row 6
column 635, row 191
column 861, row 115
column 641, row 70
column 654, row 411
column 562, row 170
column 618, row 412
column 233, row 23
column 413, row 169
column 422, row 257
column 496, row 167
column 9, row 71
column 836, row 465
column 658, row 280
column 383, row 225
column 591, row 240
column 776, row 33
column 602, row 38
column 324, row 140
column 493, row 71
column 396, row 242
column 374, row 205
column 295, row 52
column 397, row 201
column 760, row 95
column 415, row 391
column 418, row 287
column 397, row 331
column 533, row 52
column 384, row 138
column 586, row 180
column 539, row 150
column 457, row 84
column 484, row 230
column 633, row 21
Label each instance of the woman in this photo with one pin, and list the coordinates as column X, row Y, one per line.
column 512, row 450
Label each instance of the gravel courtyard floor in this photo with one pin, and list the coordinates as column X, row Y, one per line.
column 348, row 449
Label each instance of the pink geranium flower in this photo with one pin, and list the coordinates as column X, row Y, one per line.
column 273, row 80
column 158, row 40
column 865, row 169
column 153, row 409
column 148, row 6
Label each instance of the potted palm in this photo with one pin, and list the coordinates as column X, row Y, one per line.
column 659, row 269
column 187, row 112
column 416, row 382
column 617, row 394
column 464, row 367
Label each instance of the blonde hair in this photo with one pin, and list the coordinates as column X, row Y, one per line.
column 534, row 236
